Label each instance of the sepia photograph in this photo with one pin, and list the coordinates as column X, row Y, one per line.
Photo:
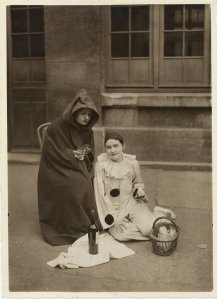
column 109, row 153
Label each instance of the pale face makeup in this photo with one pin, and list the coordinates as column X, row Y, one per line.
column 114, row 150
column 83, row 116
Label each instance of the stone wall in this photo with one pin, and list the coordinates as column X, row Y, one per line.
column 162, row 127
column 72, row 54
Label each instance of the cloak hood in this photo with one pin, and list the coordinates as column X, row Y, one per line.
column 81, row 100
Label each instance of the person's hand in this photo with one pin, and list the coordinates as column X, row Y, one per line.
column 87, row 149
column 140, row 192
column 139, row 195
column 79, row 154
column 122, row 224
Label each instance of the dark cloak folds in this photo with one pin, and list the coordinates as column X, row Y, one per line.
column 65, row 191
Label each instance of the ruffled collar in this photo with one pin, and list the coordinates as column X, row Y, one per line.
column 117, row 170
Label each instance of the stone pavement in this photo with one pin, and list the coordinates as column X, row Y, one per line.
column 188, row 269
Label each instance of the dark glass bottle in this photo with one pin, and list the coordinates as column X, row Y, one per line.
column 93, row 235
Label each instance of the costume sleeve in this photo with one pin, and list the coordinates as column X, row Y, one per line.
column 138, row 184
column 138, row 181
column 138, row 178
column 104, row 205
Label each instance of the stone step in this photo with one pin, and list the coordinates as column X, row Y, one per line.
column 167, row 144
column 26, row 158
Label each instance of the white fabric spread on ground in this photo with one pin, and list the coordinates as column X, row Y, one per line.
column 78, row 256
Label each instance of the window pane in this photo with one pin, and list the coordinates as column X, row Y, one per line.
column 173, row 44
column 194, row 44
column 140, row 18
column 120, row 45
column 37, row 45
column 173, row 17
column 194, row 16
column 19, row 21
column 120, row 19
column 140, row 45
column 19, row 46
column 36, row 20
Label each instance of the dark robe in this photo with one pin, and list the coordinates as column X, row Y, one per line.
column 65, row 190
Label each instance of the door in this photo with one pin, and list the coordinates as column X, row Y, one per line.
column 26, row 76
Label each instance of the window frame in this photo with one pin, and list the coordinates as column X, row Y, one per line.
column 28, row 33
column 205, row 59
column 29, row 61
column 108, row 76
column 156, row 48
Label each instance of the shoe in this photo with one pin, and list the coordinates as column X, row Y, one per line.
column 166, row 212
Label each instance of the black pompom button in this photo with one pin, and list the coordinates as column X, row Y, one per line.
column 115, row 192
column 109, row 219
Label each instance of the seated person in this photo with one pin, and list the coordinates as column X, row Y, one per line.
column 120, row 196
column 65, row 189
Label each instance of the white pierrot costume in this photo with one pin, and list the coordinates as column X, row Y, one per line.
column 111, row 175
column 132, row 219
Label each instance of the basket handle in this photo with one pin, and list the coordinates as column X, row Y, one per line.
column 167, row 219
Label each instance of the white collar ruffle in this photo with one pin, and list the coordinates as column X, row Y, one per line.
column 116, row 170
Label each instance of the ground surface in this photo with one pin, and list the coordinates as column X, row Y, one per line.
column 188, row 269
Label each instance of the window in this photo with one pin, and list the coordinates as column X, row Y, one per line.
column 159, row 46
column 27, row 49
column 184, row 45
column 27, row 31
column 130, row 32
column 130, row 44
column 183, row 30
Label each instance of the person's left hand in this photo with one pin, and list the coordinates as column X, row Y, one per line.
column 139, row 194
column 87, row 149
column 79, row 154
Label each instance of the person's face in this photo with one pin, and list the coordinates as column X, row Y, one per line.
column 83, row 116
column 114, row 149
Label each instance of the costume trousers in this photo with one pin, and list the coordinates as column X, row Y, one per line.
column 137, row 225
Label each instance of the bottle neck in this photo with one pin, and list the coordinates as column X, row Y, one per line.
column 92, row 217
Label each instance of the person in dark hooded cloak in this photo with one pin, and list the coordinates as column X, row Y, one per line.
column 65, row 189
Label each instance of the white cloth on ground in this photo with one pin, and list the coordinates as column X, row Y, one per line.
column 78, row 255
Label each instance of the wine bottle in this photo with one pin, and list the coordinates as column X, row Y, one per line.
column 93, row 235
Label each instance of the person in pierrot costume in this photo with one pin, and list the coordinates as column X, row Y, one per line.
column 121, row 200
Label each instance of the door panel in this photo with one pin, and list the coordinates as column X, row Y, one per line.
column 20, row 124
column 37, row 71
column 20, row 71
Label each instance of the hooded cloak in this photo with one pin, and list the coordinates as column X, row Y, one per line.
column 65, row 190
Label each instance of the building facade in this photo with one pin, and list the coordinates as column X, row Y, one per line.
column 147, row 68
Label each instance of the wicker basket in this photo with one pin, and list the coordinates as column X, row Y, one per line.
column 160, row 247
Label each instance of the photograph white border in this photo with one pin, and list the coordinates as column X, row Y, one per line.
column 4, row 165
